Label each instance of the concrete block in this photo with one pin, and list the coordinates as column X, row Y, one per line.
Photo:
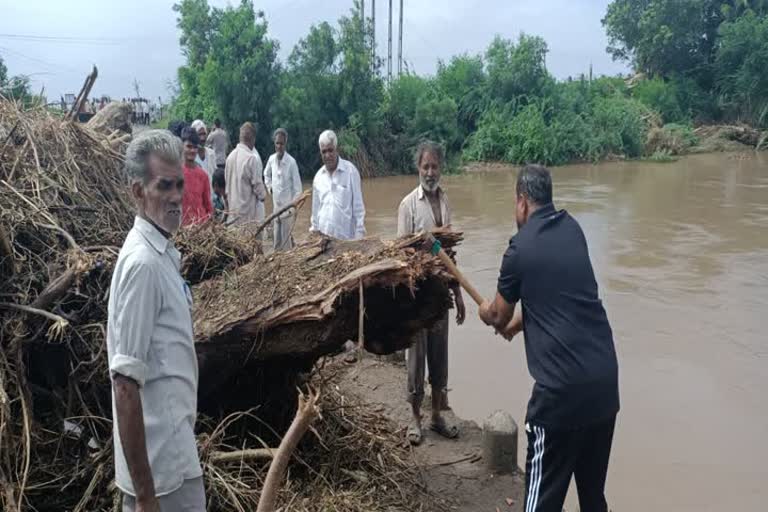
column 500, row 443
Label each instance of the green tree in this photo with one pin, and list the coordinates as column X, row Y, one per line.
column 196, row 22
column 402, row 98
column 232, row 70
column 436, row 119
column 516, row 70
column 741, row 65
column 16, row 87
column 662, row 37
column 309, row 95
column 463, row 79
column 330, row 81
column 3, row 73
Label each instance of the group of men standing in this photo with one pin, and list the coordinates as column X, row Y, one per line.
column 141, row 111
column 238, row 184
column 152, row 361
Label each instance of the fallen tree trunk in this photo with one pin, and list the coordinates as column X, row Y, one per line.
column 305, row 303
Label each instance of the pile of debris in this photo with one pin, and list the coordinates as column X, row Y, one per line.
column 64, row 212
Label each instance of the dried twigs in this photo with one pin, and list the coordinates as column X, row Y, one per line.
column 6, row 251
column 297, row 204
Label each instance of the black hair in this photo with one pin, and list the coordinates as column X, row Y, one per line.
column 219, row 178
column 190, row 135
column 176, row 127
column 535, row 182
column 217, row 122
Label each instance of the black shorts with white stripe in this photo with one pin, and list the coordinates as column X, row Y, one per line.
column 556, row 455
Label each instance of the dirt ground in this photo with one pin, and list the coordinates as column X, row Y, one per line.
column 453, row 469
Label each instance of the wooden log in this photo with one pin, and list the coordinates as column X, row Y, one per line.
column 451, row 266
column 83, row 95
column 242, row 455
column 55, row 289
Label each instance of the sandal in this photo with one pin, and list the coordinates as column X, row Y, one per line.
column 445, row 430
column 414, row 434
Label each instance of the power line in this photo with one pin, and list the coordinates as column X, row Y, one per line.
column 39, row 61
column 59, row 39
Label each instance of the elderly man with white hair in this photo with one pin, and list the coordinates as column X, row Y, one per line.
column 152, row 360
column 206, row 157
column 337, row 197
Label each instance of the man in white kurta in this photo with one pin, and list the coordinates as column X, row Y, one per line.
column 206, row 157
column 281, row 176
column 261, row 210
column 244, row 184
column 337, row 197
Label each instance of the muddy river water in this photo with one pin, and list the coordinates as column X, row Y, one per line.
column 681, row 255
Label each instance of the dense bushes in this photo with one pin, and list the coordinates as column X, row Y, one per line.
column 578, row 127
column 741, row 65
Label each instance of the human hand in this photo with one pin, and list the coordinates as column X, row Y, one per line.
column 461, row 310
column 508, row 333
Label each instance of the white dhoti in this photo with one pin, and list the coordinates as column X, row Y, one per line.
column 281, row 231
column 261, row 214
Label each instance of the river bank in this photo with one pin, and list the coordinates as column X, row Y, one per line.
column 452, row 469
column 665, row 145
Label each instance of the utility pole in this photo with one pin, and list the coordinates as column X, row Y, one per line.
column 389, row 45
column 400, row 44
column 373, row 35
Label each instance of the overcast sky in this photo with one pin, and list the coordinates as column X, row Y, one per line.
column 55, row 42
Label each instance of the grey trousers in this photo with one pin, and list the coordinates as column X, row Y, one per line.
column 431, row 347
column 281, row 231
column 190, row 497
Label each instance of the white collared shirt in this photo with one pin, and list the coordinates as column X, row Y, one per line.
column 415, row 213
column 283, row 180
column 149, row 339
column 219, row 141
column 337, row 202
column 208, row 165
column 245, row 188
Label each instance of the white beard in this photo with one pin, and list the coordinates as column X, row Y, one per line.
column 428, row 188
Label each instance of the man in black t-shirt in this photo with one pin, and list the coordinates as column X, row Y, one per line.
column 569, row 349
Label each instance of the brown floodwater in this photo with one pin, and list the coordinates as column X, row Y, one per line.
column 681, row 256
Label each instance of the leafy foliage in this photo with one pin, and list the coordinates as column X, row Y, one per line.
column 741, row 64
column 714, row 52
column 231, row 69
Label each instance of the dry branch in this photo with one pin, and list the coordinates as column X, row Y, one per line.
column 296, row 204
column 307, row 412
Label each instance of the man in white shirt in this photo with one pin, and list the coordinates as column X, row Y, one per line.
column 244, row 184
column 261, row 210
column 219, row 141
column 281, row 176
column 206, row 157
column 152, row 360
column 337, row 196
